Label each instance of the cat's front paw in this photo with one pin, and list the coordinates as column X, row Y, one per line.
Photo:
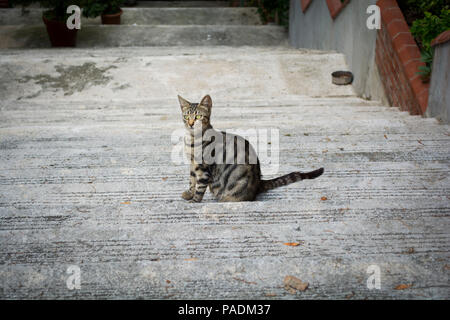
column 187, row 195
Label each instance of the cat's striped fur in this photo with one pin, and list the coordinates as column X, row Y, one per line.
column 229, row 182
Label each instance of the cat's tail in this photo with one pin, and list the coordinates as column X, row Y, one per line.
column 267, row 185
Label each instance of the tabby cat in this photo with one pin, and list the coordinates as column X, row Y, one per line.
column 229, row 181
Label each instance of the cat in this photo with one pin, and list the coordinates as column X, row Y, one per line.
column 228, row 181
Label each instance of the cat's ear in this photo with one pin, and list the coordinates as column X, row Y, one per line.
column 207, row 102
column 183, row 103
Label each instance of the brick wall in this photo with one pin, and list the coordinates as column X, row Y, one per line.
column 398, row 59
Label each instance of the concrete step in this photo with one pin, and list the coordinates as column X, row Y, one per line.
column 149, row 16
column 88, row 178
column 182, row 4
column 399, row 125
column 166, row 4
column 93, row 184
column 128, row 36
column 148, row 73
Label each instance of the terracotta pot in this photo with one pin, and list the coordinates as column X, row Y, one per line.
column 4, row 4
column 59, row 34
column 112, row 18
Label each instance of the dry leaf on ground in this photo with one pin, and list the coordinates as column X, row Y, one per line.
column 270, row 294
column 350, row 295
column 191, row 259
column 292, row 283
column 292, row 244
column 403, row 286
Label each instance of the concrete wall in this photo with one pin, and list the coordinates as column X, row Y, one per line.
column 439, row 99
column 348, row 34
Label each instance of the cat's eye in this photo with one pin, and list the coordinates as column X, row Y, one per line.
column 186, row 117
column 199, row 116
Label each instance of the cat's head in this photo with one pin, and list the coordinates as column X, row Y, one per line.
column 196, row 113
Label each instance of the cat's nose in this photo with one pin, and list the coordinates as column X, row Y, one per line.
column 191, row 122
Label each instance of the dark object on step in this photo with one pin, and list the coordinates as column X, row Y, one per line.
column 130, row 3
column 342, row 77
column 4, row 4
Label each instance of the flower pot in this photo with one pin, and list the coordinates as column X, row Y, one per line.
column 59, row 34
column 112, row 18
column 235, row 3
column 4, row 4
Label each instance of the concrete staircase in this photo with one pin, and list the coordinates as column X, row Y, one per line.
column 87, row 179
column 162, row 25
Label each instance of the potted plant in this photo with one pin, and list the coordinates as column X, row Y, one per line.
column 4, row 4
column 109, row 10
column 274, row 11
column 55, row 18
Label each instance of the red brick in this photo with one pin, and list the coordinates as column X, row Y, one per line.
column 397, row 26
column 400, row 97
column 418, row 86
column 394, row 97
column 415, row 108
column 391, row 66
column 412, row 68
column 414, row 78
column 391, row 14
column 385, row 4
column 403, row 48
column 409, row 54
column 403, row 39
column 423, row 99
column 378, row 60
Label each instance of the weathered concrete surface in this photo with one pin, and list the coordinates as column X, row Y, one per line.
column 86, row 179
column 167, row 4
column 154, row 26
column 35, row 36
column 149, row 16
column 182, row 4
column 149, row 73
